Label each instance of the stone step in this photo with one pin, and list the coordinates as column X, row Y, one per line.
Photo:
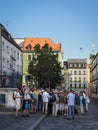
column 7, row 109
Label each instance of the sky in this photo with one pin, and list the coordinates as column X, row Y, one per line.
column 73, row 23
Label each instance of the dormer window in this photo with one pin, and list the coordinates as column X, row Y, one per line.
column 29, row 47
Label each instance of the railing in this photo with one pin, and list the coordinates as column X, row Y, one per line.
column 10, row 81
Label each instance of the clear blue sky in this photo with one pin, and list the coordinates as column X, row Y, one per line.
column 74, row 23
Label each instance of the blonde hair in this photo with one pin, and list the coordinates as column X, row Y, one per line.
column 26, row 91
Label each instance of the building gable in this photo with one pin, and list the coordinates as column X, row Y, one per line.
column 32, row 42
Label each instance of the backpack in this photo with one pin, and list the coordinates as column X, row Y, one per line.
column 31, row 95
column 83, row 101
column 53, row 98
column 13, row 96
column 88, row 100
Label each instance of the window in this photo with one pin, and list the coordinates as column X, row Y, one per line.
column 15, row 54
column 11, row 67
column 29, row 47
column 12, row 52
column 84, row 79
column 75, row 72
column 84, row 85
column 75, row 79
column 3, row 61
column 14, row 67
column 79, row 85
column 18, row 68
column 3, row 46
column 72, row 65
column 77, row 65
column 79, row 72
column 79, row 79
column 75, row 85
column 7, row 49
column 29, row 57
column 70, row 72
column 70, row 85
column 8, row 65
column 18, row 55
column 84, row 72
column 71, row 79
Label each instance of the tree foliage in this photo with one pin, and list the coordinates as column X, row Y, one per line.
column 45, row 68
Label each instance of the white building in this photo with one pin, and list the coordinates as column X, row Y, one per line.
column 78, row 80
column 10, row 66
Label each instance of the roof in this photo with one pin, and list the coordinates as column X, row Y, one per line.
column 21, row 44
column 8, row 36
column 41, row 41
column 77, row 60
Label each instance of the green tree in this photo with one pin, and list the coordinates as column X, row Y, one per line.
column 44, row 68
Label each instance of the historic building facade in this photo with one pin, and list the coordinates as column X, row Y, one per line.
column 28, row 53
column 88, row 80
column 78, row 74
column 94, row 74
column 10, row 66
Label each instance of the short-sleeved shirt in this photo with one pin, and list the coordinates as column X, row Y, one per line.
column 45, row 96
column 17, row 94
column 71, row 99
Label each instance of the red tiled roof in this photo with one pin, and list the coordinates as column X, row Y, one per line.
column 41, row 41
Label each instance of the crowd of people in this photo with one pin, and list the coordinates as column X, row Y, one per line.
column 52, row 102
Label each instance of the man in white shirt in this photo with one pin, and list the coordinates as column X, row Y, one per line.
column 71, row 104
column 17, row 97
column 45, row 98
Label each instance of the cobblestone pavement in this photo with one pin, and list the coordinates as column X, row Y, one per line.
column 82, row 122
column 8, row 121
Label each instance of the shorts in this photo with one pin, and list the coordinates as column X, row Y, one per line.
column 66, row 106
column 61, row 106
column 18, row 104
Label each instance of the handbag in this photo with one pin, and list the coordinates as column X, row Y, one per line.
column 88, row 100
